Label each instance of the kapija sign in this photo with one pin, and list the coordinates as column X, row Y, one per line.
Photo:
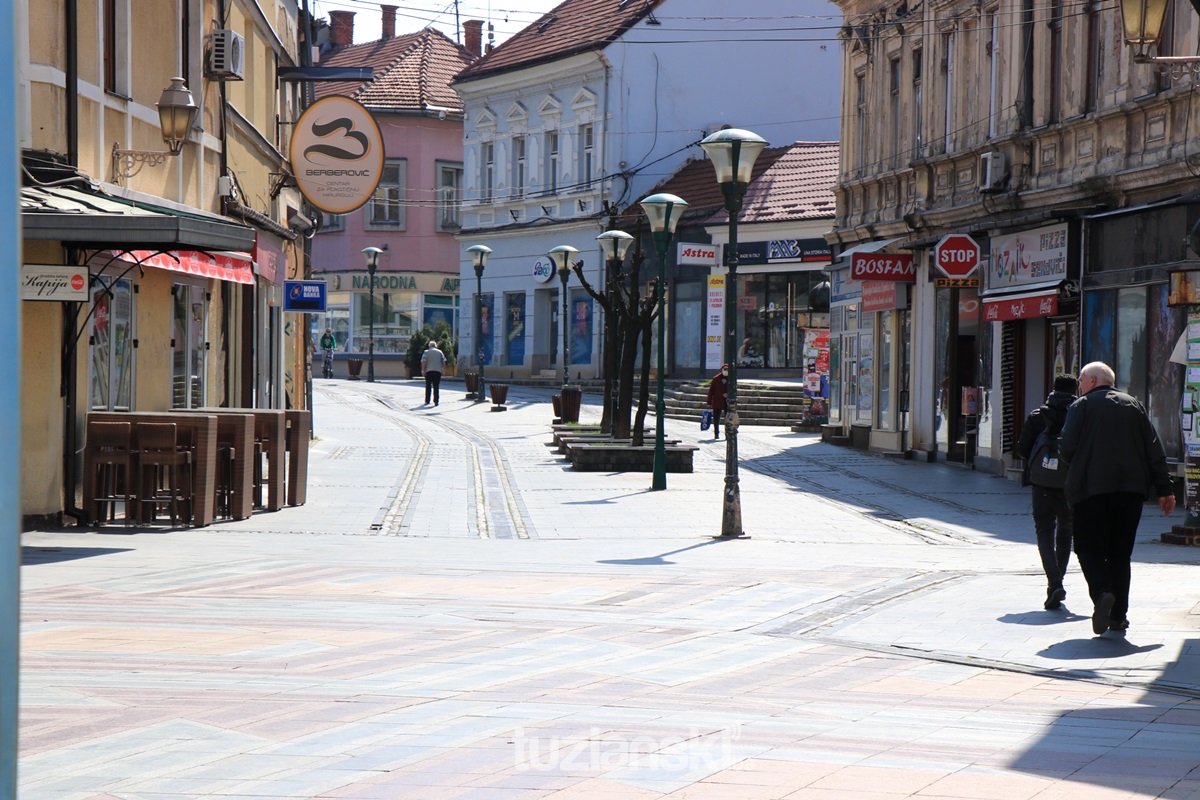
column 54, row 282
column 337, row 154
column 883, row 267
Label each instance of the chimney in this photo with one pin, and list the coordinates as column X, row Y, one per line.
column 473, row 34
column 389, row 21
column 341, row 28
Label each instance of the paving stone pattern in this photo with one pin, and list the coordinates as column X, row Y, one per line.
column 455, row 613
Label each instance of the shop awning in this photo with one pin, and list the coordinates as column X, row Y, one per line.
column 232, row 267
column 843, row 259
column 91, row 218
column 1027, row 302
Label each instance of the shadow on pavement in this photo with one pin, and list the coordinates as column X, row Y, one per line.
column 660, row 559
column 1041, row 618
column 1149, row 747
column 1109, row 645
column 606, row 500
column 51, row 555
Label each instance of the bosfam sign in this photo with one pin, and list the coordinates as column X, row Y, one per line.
column 883, row 267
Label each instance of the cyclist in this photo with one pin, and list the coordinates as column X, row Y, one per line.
column 328, row 344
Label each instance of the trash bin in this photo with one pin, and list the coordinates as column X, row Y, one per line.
column 355, row 367
column 556, row 402
column 471, row 377
column 570, row 400
column 499, row 395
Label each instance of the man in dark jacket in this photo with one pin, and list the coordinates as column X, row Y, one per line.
column 1115, row 460
column 1051, row 514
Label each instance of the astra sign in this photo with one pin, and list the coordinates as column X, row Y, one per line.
column 883, row 267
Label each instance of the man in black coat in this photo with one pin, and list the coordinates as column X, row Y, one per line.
column 1115, row 460
column 1052, row 518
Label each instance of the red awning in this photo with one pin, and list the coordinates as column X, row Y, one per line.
column 1020, row 306
column 232, row 267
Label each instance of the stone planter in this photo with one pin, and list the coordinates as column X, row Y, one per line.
column 354, row 365
column 617, row 457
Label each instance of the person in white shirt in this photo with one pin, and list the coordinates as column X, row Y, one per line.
column 433, row 361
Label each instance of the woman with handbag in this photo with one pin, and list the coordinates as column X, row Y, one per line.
column 718, row 394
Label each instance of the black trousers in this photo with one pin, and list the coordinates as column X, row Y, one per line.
column 718, row 418
column 1052, row 519
column 433, row 383
column 1105, row 529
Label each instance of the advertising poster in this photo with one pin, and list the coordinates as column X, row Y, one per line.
column 582, row 307
column 515, row 333
column 486, row 325
column 715, row 322
column 1190, row 413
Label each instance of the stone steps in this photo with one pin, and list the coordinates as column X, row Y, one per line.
column 758, row 404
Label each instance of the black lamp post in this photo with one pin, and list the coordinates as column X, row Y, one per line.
column 562, row 256
column 372, row 254
column 663, row 211
column 615, row 245
column 479, row 255
column 733, row 153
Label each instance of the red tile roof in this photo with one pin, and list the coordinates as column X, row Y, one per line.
column 793, row 182
column 411, row 72
column 573, row 26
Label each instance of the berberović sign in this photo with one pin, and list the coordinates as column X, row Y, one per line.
column 337, row 154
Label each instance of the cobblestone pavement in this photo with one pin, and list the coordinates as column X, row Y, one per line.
column 457, row 614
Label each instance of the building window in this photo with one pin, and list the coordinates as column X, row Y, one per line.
column 487, row 170
column 112, row 345
column 587, row 152
column 331, row 223
column 518, row 166
column 1092, row 88
column 449, row 195
column 1054, row 109
column 1027, row 64
column 552, row 156
column 189, row 347
column 116, row 45
column 993, row 73
column 386, row 208
column 860, row 121
column 1166, row 47
column 948, row 64
column 894, row 89
column 918, row 65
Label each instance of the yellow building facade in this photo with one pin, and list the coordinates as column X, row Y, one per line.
column 182, row 255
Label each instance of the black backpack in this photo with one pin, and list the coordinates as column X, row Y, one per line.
column 1045, row 468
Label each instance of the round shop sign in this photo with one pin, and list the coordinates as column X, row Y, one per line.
column 543, row 270
column 337, row 154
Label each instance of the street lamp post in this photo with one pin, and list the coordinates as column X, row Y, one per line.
column 479, row 255
column 372, row 255
column 663, row 211
column 733, row 153
column 615, row 245
column 562, row 256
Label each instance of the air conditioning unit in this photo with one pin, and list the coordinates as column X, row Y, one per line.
column 991, row 172
column 226, row 56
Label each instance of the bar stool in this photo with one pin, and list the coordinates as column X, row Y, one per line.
column 164, row 471
column 110, row 459
column 227, row 456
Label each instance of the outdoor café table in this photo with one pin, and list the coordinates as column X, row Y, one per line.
column 236, row 427
column 204, row 458
column 270, row 431
column 299, row 428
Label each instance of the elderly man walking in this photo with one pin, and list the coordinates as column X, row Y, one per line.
column 1114, row 461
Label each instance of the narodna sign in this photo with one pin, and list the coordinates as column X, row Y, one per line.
column 956, row 255
column 337, row 155
column 883, row 267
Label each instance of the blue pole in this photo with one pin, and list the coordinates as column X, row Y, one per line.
column 10, row 410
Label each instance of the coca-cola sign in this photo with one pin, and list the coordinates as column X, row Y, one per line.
column 883, row 267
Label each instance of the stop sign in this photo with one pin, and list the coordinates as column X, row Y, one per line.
column 956, row 255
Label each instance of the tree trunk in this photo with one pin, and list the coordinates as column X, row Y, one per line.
column 639, row 425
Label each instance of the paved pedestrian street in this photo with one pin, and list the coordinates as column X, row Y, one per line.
column 455, row 613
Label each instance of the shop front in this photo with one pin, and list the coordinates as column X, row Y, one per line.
column 1030, row 302
column 404, row 302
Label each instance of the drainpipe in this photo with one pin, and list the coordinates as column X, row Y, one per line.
column 70, row 311
column 72, row 81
